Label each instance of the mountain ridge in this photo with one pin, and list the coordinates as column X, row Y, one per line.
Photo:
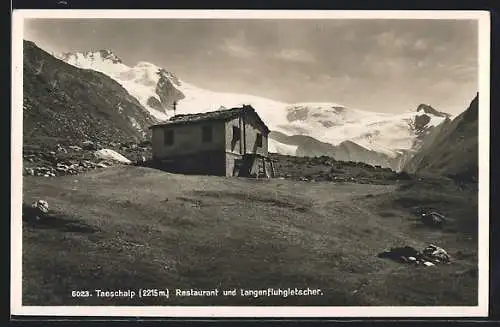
column 452, row 148
column 381, row 138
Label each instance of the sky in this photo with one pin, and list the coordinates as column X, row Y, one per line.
column 382, row 65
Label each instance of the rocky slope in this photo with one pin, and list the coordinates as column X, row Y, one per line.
column 322, row 168
column 65, row 102
column 452, row 148
column 69, row 113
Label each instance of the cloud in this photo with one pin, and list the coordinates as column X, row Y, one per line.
column 238, row 46
column 363, row 62
column 463, row 72
column 391, row 40
column 421, row 44
column 406, row 43
column 297, row 55
column 238, row 50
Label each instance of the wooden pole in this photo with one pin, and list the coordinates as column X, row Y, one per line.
column 240, row 136
column 244, row 136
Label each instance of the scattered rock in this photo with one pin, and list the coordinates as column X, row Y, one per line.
column 89, row 145
column 29, row 171
column 433, row 219
column 75, row 148
column 429, row 256
column 79, row 156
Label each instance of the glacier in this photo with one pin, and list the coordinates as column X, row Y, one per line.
column 333, row 123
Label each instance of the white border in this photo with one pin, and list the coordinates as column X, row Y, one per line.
column 254, row 14
column 483, row 18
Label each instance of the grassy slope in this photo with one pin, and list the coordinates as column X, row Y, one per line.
column 452, row 148
column 115, row 229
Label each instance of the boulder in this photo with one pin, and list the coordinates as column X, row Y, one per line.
column 429, row 256
column 433, row 219
column 436, row 254
column 109, row 154
column 39, row 209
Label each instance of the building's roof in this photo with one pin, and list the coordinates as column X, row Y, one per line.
column 222, row 114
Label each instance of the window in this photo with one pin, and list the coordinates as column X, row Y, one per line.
column 168, row 137
column 206, row 134
column 258, row 141
column 236, row 133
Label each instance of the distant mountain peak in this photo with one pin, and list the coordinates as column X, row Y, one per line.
column 146, row 64
column 427, row 109
column 110, row 55
column 103, row 54
column 171, row 76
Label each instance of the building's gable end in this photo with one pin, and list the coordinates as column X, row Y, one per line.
column 250, row 111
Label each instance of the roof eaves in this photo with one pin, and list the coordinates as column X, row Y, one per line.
column 211, row 116
column 187, row 122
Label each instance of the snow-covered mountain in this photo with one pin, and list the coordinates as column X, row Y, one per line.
column 392, row 137
column 157, row 89
column 390, row 134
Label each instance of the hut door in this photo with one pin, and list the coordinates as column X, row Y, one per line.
column 238, row 167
